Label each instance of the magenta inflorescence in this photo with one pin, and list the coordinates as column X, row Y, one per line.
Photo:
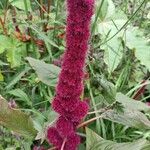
column 67, row 101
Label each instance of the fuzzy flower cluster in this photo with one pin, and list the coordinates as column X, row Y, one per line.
column 67, row 102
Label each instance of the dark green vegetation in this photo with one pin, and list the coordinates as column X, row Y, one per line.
column 117, row 82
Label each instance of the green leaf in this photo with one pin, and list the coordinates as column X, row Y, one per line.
column 14, row 55
column 20, row 4
column 47, row 73
column 107, row 9
column 131, row 115
column 21, row 95
column 16, row 120
column 136, row 40
column 1, row 77
column 131, row 103
column 5, row 43
column 110, row 27
column 14, row 50
column 113, row 48
column 131, row 118
column 101, row 9
column 109, row 90
column 113, row 53
column 95, row 142
column 110, row 9
column 133, row 38
column 91, row 139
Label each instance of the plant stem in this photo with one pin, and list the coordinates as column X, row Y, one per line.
column 97, row 15
column 103, row 109
column 48, row 9
column 26, row 8
column 94, row 105
column 41, row 9
column 53, row 148
column 137, row 87
column 63, row 144
column 83, row 124
column 3, row 26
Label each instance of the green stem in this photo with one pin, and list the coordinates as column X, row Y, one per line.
column 26, row 8
column 94, row 105
column 97, row 15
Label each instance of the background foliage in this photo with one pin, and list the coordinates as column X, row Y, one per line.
column 32, row 42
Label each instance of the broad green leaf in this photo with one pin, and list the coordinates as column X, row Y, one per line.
column 91, row 139
column 20, row 4
column 109, row 90
column 133, row 37
column 47, row 73
column 107, row 28
column 14, row 55
column 21, row 95
column 1, row 77
column 14, row 50
column 113, row 48
column 131, row 103
column 101, row 9
column 110, row 27
column 110, row 9
column 113, row 53
column 5, row 43
column 107, row 9
column 16, row 120
column 131, row 118
column 135, row 40
column 95, row 142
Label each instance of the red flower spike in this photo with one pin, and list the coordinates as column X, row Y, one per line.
column 64, row 89
column 70, row 85
column 80, row 112
column 58, row 107
column 72, row 142
column 54, row 137
column 76, row 115
column 64, row 127
column 68, row 103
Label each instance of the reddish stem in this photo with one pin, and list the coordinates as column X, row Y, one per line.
column 3, row 26
column 140, row 91
column 63, row 144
